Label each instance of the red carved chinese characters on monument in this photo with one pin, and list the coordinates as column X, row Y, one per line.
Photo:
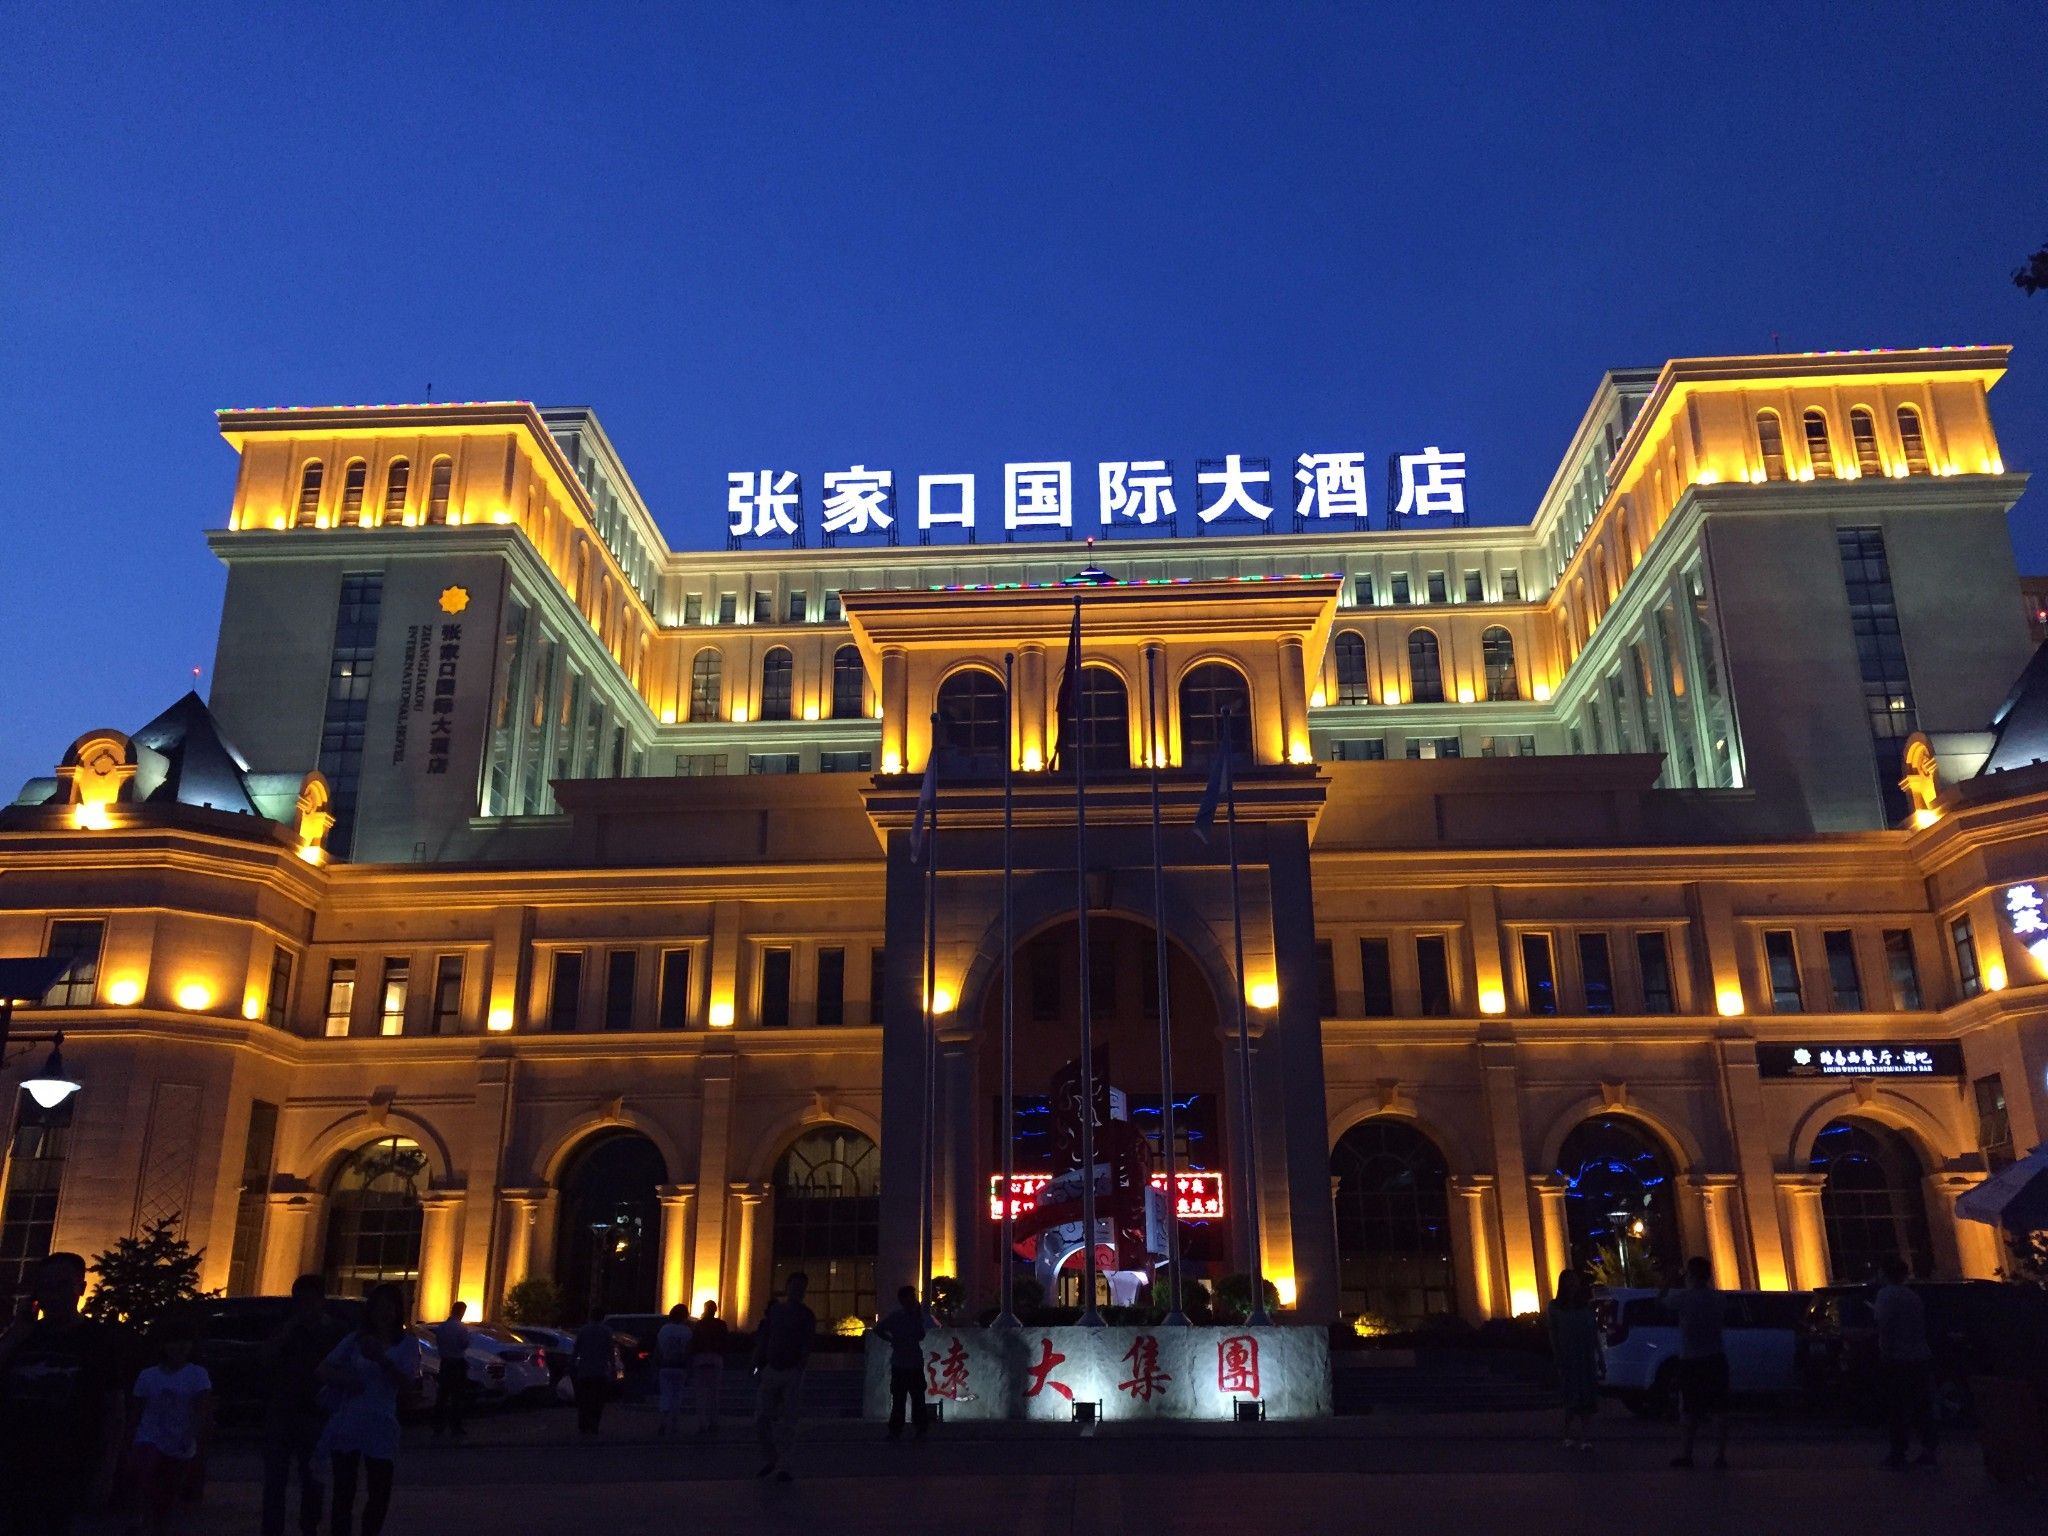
column 1041, row 1372
column 946, row 1376
column 1237, row 1366
column 1147, row 1381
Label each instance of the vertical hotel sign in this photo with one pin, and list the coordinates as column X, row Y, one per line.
column 433, row 662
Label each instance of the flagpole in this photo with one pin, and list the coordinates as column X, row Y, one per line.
column 1246, row 1118
column 1091, row 1316
column 931, row 1055
column 1007, row 1317
column 1175, row 1317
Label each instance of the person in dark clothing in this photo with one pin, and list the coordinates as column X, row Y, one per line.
column 781, row 1349
column 451, row 1342
column 292, row 1419
column 1905, row 1362
column 61, row 1407
column 707, row 1367
column 590, row 1372
column 904, row 1329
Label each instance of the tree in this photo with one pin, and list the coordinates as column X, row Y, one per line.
column 142, row 1279
column 536, row 1299
column 2033, row 277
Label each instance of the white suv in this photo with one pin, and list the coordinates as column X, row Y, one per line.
column 1639, row 1346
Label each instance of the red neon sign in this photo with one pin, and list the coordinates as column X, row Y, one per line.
column 1200, row 1198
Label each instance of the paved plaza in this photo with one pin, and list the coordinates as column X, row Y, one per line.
column 1395, row 1473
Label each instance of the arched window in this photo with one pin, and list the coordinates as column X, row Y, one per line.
column 1819, row 451
column 1425, row 670
column 974, row 723
column 1620, row 1215
column 1770, row 444
column 849, row 683
column 828, row 1220
column 778, row 674
column 373, row 1220
column 1603, row 583
column 397, row 482
column 353, row 480
column 1215, row 710
column 707, row 687
column 1912, row 441
column 1871, row 1202
column 608, row 1244
column 1863, row 433
column 1351, row 685
column 1105, row 720
column 438, row 484
column 1497, row 651
column 309, row 493
column 1393, row 1224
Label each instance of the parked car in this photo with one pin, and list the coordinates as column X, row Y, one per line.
column 1763, row 1334
column 522, row 1366
column 556, row 1345
column 1975, row 1327
column 235, row 1330
column 635, row 1332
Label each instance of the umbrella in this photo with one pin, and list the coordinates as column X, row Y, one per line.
column 2015, row 1197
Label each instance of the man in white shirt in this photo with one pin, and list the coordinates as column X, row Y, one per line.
column 1905, row 1363
column 672, row 1362
column 451, row 1339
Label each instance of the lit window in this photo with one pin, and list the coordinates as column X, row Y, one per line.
column 1770, row 444
column 309, row 493
column 849, row 682
column 1911, row 441
column 391, row 1000
column 706, row 685
column 397, row 482
column 1351, row 684
column 341, row 997
column 353, row 480
column 1863, row 434
column 1781, row 956
column 1819, row 452
column 1497, row 650
column 778, row 672
column 438, row 485
column 1425, row 670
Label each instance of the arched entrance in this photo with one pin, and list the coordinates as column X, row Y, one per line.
column 608, row 1245
column 1621, row 1214
column 828, row 1213
column 1393, row 1223
column 373, row 1217
column 1872, row 1202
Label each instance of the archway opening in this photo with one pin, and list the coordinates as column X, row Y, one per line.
column 1872, row 1203
column 1393, row 1224
column 374, row 1217
column 1621, row 1214
column 828, row 1214
column 608, row 1244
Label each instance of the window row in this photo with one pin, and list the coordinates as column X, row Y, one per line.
column 1823, row 450
column 1365, row 588
column 796, row 608
column 1498, row 673
column 848, row 696
column 601, row 989
column 355, row 510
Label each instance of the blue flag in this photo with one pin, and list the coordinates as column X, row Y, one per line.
column 1067, row 707
column 1219, row 786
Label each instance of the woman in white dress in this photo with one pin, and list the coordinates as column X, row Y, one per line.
column 364, row 1376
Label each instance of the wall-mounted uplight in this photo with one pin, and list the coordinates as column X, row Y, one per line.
column 252, row 1007
column 1285, row 1288
column 499, row 1021
column 1729, row 1001
column 1391, row 696
column 1492, row 1000
column 90, row 816
column 1542, row 692
column 1994, row 976
column 810, row 711
column 1466, row 696
column 124, row 991
column 1034, row 760
column 720, row 1014
column 195, row 996
column 668, row 717
column 1298, row 753
column 1263, row 994
column 1318, row 699
column 943, row 1000
column 739, row 714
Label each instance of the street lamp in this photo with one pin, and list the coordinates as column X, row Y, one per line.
column 51, row 1087
column 24, row 980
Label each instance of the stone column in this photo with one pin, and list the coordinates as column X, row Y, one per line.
column 1547, row 1191
column 895, row 710
column 521, row 1212
column 291, row 1229
column 1805, row 1230
column 713, row 1153
column 1030, row 706
column 747, row 1257
column 1967, row 1249
column 1716, row 1194
column 1293, row 701
column 1472, row 1246
column 1742, row 1104
column 1501, row 1079
column 1294, row 1128
column 956, row 1246
column 902, row 1200
column 440, row 1216
column 675, row 1243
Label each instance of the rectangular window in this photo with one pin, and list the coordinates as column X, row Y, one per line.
column 772, row 762
column 675, row 989
column 1401, row 587
column 1653, row 959
column 565, row 992
column 621, row 972
column 341, row 997
column 277, row 1003
column 1507, row 746
column 1361, row 749
column 1596, row 972
column 345, row 721
column 1433, row 972
column 1843, row 979
column 1994, row 1127
column 1475, row 587
column 1881, row 656
column 832, row 611
column 78, row 942
column 252, row 1197
column 799, row 607
column 1376, row 964
column 1539, row 973
column 764, row 607
column 447, row 995
column 775, row 987
column 1326, row 978
column 1965, row 943
column 391, row 997
column 693, row 608
column 1362, row 585
column 878, row 972
column 1438, row 589
column 831, row 988
column 700, row 765
column 846, row 762
column 1429, row 748
column 728, row 607
column 35, row 1178
column 1511, row 586
column 1904, row 969
column 1781, row 957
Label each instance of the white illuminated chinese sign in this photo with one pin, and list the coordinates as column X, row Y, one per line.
column 1827, row 1058
column 2024, row 914
column 1200, row 1197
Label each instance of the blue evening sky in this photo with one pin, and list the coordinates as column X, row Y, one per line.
column 937, row 237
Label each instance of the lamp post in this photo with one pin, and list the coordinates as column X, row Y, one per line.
column 24, row 980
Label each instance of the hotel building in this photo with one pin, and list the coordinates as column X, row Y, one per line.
column 532, row 900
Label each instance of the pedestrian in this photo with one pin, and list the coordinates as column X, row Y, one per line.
column 1702, row 1361
column 173, row 1418
column 60, row 1406
column 366, row 1372
column 781, row 1347
column 590, row 1371
column 1905, row 1363
column 293, row 1418
column 1575, row 1349
column 707, row 1367
column 904, row 1329
column 451, row 1340
column 672, row 1357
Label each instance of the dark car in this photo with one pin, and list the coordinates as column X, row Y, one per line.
column 1975, row 1328
column 635, row 1332
column 235, row 1331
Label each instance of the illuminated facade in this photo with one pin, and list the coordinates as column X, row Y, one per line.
column 532, row 900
